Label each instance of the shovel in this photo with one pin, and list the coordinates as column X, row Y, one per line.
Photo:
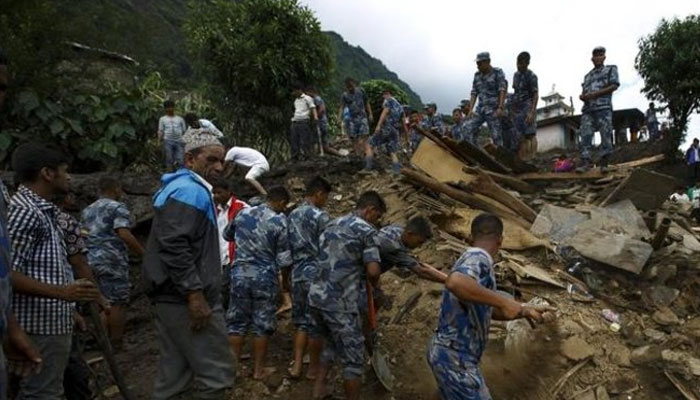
column 380, row 366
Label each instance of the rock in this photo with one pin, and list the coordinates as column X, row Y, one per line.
column 620, row 251
column 274, row 380
column 677, row 357
column 569, row 327
column 665, row 317
column 666, row 273
column 601, row 393
column 654, row 335
column 645, row 355
column 620, row 355
column 692, row 328
column 576, row 349
column 662, row 296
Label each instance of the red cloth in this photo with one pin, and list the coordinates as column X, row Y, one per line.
column 565, row 165
column 236, row 206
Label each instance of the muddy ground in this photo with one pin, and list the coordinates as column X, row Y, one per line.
column 520, row 363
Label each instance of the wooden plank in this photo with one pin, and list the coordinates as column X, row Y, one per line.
column 508, row 180
column 470, row 151
column 439, row 163
column 485, row 185
column 640, row 162
column 473, row 200
column 553, row 176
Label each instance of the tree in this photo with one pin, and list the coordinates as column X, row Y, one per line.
column 251, row 53
column 669, row 62
column 374, row 88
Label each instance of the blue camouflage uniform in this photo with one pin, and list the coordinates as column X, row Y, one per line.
column 262, row 248
column 107, row 253
column 322, row 119
column 487, row 88
column 355, row 102
column 511, row 136
column 306, row 223
column 455, row 351
column 414, row 137
column 460, row 131
column 525, row 86
column 347, row 244
column 430, row 123
column 388, row 137
column 393, row 253
column 597, row 113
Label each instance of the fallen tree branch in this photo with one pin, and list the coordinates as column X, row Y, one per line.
column 681, row 388
column 559, row 385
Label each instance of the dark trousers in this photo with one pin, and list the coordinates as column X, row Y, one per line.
column 692, row 173
column 76, row 377
column 300, row 139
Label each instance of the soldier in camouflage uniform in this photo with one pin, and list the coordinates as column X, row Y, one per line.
column 459, row 129
column 431, row 121
column 262, row 248
column 108, row 225
column 489, row 86
column 306, row 223
column 360, row 114
column 349, row 257
column 386, row 135
column 414, row 122
column 469, row 301
column 597, row 88
column 511, row 136
column 524, row 106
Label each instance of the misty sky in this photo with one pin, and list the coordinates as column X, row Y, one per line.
column 431, row 45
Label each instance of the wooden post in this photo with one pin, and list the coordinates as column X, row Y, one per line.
column 661, row 233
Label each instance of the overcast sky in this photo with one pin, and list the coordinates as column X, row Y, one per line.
column 432, row 44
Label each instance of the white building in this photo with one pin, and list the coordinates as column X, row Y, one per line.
column 556, row 125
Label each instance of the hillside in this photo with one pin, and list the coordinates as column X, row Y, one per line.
column 353, row 61
column 149, row 31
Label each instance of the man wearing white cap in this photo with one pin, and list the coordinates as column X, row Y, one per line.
column 181, row 275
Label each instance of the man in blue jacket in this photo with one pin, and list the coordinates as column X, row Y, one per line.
column 181, row 274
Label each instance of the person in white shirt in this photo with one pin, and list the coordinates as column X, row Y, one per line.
column 171, row 127
column 253, row 160
column 300, row 142
column 193, row 121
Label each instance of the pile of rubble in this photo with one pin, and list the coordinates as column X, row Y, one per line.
column 608, row 249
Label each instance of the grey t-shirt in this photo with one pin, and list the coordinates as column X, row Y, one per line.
column 172, row 128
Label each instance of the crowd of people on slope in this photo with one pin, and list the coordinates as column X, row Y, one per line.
column 203, row 239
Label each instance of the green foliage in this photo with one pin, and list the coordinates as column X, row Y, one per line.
column 669, row 62
column 108, row 128
column 354, row 62
column 251, row 52
column 374, row 88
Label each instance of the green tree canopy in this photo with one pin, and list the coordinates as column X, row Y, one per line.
column 252, row 52
column 669, row 62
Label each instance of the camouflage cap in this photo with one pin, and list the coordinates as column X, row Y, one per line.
column 599, row 49
column 429, row 105
column 464, row 102
column 483, row 56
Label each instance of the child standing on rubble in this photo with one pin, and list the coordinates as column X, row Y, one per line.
column 469, row 302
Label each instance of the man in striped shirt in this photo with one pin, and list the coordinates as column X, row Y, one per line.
column 42, row 278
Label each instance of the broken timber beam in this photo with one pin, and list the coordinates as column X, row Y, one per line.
column 639, row 163
column 486, row 186
column 477, row 201
column 508, row 180
column 469, row 151
column 552, row 176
